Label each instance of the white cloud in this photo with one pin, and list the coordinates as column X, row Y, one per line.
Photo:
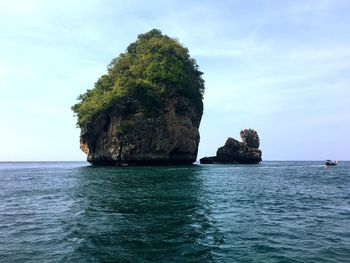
column 19, row 7
column 332, row 52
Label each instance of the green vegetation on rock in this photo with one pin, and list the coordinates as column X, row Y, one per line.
column 123, row 128
column 153, row 68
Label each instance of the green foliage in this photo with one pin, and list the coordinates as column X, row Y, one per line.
column 123, row 128
column 153, row 67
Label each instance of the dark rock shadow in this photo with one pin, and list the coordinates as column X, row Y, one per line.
column 140, row 214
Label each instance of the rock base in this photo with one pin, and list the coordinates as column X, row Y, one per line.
column 128, row 135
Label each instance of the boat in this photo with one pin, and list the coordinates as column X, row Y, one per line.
column 331, row 163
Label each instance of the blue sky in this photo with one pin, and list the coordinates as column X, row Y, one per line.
column 280, row 67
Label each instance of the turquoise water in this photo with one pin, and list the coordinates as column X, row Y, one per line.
column 272, row 212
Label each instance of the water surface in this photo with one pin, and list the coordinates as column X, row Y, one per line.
column 271, row 212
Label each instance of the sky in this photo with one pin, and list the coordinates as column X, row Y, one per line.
column 279, row 67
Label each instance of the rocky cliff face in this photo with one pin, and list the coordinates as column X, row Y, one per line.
column 250, row 138
column 238, row 152
column 127, row 135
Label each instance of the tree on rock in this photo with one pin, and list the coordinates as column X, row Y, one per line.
column 153, row 67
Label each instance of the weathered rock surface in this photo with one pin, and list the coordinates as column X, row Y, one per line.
column 250, row 138
column 233, row 151
column 127, row 135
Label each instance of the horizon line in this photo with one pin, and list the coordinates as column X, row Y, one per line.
column 48, row 161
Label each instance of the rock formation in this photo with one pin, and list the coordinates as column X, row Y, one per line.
column 250, row 138
column 126, row 135
column 233, row 151
column 146, row 110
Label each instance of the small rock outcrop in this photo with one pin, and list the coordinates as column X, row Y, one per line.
column 233, row 151
column 250, row 138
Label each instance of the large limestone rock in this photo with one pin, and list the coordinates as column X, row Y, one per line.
column 128, row 135
column 233, row 151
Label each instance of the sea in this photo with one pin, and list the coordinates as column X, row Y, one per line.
column 269, row 212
